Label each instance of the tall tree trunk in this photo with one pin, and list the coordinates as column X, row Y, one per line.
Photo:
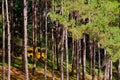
column 9, row 36
column 110, row 70
column 73, row 54
column 78, row 58
column 62, row 53
column 35, row 36
column 57, row 42
column 105, row 59
column 91, row 53
column 25, row 39
column 3, row 41
column 45, row 70
column 119, row 70
column 67, row 56
column 62, row 48
column 41, row 24
column 33, row 20
column 53, row 47
column 93, row 61
column 99, row 62
column 12, row 29
column 53, row 53
column 84, row 59
column 107, row 64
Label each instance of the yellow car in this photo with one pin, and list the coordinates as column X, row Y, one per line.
column 30, row 52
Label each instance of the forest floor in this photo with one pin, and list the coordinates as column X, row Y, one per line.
column 18, row 74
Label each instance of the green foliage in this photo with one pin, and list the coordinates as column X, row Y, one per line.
column 102, row 23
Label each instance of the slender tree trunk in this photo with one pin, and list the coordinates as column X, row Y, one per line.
column 105, row 58
column 73, row 54
column 93, row 61
column 53, row 54
column 35, row 37
column 107, row 67
column 9, row 35
column 25, row 40
column 84, row 59
column 64, row 31
column 99, row 62
column 45, row 70
column 62, row 48
column 3, row 41
column 78, row 58
column 53, row 47
column 91, row 53
column 67, row 56
column 12, row 29
column 57, row 50
column 33, row 20
column 41, row 24
column 62, row 53
column 75, row 57
column 110, row 70
column 119, row 70
column 73, row 47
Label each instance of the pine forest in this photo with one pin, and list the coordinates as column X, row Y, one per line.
column 59, row 39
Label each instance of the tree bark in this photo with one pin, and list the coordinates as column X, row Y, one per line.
column 93, row 61
column 12, row 29
column 73, row 54
column 84, row 59
column 34, row 36
column 45, row 70
column 25, row 39
column 110, row 70
column 41, row 24
column 119, row 70
column 57, row 50
column 3, row 41
column 33, row 20
column 9, row 38
column 91, row 53
column 99, row 62
column 67, row 56
column 62, row 53
column 107, row 64
column 78, row 58
column 53, row 53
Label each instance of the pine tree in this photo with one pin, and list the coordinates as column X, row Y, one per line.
column 119, row 69
column 9, row 36
column 53, row 45
column 99, row 61
column 84, row 59
column 111, row 70
column 53, row 55
column 67, row 57
column 12, row 29
column 3, row 41
column 93, row 61
column 46, row 38
column 78, row 58
column 62, row 53
column 25, row 39
column 41, row 24
column 34, row 35
column 91, row 53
